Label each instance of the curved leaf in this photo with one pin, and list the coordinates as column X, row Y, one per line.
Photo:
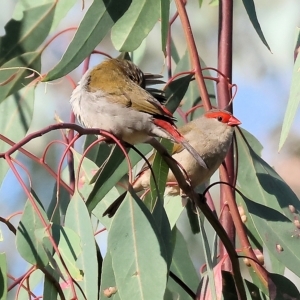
column 108, row 281
column 250, row 8
column 293, row 103
column 268, row 199
column 139, row 273
column 103, row 186
column 30, row 247
column 98, row 20
column 182, row 266
column 61, row 8
column 78, row 219
column 16, row 122
column 132, row 28
column 28, row 34
column 164, row 19
column 18, row 77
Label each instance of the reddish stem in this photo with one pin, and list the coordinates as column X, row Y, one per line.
column 224, row 96
column 194, row 56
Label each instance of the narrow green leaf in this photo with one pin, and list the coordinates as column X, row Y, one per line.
column 3, row 277
column 58, row 207
column 28, row 245
column 103, row 186
column 293, row 104
column 108, row 281
column 28, row 34
column 14, row 72
column 99, row 153
column 164, row 20
column 174, row 51
column 176, row 90
column 133, row 27
column 111, row 162
column 250, row 9
column 69, row 247
column 61, row 8
column 98, row 20
column 15, row 124
column 174, row 208
column 182, row 265
column 78, row 219
column 208, row 259
column 133, row 264
column 108, row 199
column 160, row 170
column 49, row 290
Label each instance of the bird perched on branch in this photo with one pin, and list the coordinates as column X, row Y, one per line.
column 113, row 97
column 210, row 135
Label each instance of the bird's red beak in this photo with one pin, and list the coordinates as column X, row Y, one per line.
column 233, row 121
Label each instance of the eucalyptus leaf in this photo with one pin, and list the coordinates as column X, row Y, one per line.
column 78, row 219
column 17, row 73
column 133, row 264
column 28, row 34
column 133, row 27
column 3, row 276
column 30, row 247
column 251, row 11
column 97, row 21
column 293, row 102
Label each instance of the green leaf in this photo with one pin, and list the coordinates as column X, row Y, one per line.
column 109, row 164
column 278, row 233
column 250, row 8
column 3, row 277
column 268, row 199
column 139, row 273
column 61, row 9
column 103, row 186
column 182, row 266
column 98, row 20
column 174, row 52
column 69, row 247
column 85, row 175
column 160, row 170
column 293, row 103
column 108, row 199
column 174, row 208
column 78, row 219
column 14, row 77
column 28, row 34
column 164, row 20
column 108, row 280
column 211, row 276
column 260, row 183
column 176, row 90
column 133, row 27
column 28, row 244
column 15, row 124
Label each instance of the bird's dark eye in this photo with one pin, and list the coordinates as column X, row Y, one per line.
column 220, row 119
